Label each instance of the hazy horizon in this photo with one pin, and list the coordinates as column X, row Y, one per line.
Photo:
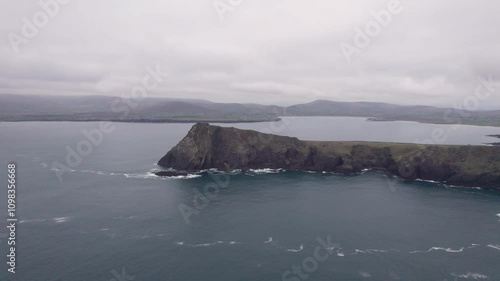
column 278, row 103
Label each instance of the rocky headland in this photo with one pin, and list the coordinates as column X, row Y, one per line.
column 206, row 146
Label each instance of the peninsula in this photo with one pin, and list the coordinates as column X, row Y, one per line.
column 19, row 108
column 225, row 148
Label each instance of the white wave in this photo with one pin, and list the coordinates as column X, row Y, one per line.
column 340, row 253
column 266, row 171
column 381, row 251
column 56, row 169
column 147, row 175
column 145, row 236
column 496, row 247
column 61, row 219
column 94, row 172
column 296, row 250
column 269, row 240
column 44, row 165
column 430, row 181
column 233, row 242
column 104, row 229
column 179, row 243
column 150, row 175
column 189, row 176
column 216, row 171
column 498, row 215
column 449, row 250
column 203, row 245
column 234, row 172
column 365, row 274
column 471, row 275
column 356, row 251
column 206, row 244
column 33, row 220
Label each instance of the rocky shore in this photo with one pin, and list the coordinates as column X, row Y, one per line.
column 494, row 143
column 206, row 146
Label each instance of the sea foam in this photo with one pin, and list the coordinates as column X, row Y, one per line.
column 449, row 250
column 471, row 275
column 296, row 250
column 496, row 247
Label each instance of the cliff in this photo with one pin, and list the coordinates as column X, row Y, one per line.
column 207, row 146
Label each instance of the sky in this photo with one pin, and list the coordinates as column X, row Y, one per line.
column 260, row 51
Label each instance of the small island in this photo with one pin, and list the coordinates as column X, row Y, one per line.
column 226, row 148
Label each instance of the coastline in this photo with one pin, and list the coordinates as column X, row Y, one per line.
column 247, row 120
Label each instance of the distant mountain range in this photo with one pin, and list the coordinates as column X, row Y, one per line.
column 98, row 108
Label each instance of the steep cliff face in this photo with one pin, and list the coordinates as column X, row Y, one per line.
column 207, row 146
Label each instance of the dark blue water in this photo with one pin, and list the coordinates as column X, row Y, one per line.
column 109, row 219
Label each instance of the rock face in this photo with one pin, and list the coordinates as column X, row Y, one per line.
column 223, row 148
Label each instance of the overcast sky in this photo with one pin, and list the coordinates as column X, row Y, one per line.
column 265, row 51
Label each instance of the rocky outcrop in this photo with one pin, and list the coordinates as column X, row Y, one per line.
column 494, row 143
column 223, row 148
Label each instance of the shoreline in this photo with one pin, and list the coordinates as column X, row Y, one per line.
column 230, row 121
column 207, row 146
column 169, row 173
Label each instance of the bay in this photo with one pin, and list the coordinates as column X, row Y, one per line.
column 109, row 217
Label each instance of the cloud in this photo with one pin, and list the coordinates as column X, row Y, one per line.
column 267, row 51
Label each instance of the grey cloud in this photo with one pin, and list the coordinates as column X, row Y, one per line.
column 272, row 51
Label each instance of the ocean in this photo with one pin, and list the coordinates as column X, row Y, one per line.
column 109, row 218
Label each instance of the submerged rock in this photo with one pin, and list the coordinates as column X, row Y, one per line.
column 206, row 146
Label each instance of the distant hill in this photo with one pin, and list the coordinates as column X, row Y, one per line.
column 333, row 108
column 93, row 108
column 386, row 112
